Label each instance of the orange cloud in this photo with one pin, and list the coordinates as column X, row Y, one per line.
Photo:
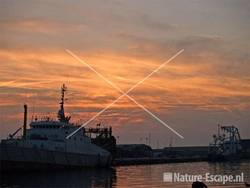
column 40, row 26
column 181, row 79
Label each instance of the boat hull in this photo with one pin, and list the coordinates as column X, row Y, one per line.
column 19, row 158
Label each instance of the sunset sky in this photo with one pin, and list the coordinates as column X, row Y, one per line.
column 125, row 40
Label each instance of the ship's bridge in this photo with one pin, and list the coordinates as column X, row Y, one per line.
column 50, row 124
column 52, row 130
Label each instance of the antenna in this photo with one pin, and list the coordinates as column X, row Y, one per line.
column 219, row 130
column 146, row 139
column 33, row 107
column 61, row 115
column 118, row 139
column 149, row 139
column 171, row 142
column 141, row 140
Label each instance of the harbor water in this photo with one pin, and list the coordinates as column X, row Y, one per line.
column 140, row 176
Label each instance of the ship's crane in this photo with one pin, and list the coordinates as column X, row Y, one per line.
column 13, row 134
column 23, row 127
column 233, row 132
column 226, row 143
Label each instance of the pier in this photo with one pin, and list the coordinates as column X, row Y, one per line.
column 141, row 154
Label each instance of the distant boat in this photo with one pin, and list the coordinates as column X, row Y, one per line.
column 44, row 145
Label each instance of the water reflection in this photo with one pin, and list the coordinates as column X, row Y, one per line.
column 152, row 175
column 229, row 167
column 104, row 178
column 146, row 176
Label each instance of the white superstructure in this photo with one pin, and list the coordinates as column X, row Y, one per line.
column 51, row 135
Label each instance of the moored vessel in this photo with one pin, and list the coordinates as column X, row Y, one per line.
column 46, row 144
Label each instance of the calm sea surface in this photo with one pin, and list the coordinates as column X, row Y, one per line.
column 149, row 176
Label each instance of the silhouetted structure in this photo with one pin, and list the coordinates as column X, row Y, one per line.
column 226, row 144
column 198, row 184
column 133, row 151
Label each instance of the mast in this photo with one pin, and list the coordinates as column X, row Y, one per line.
column 25, row 120
column 61, row 115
